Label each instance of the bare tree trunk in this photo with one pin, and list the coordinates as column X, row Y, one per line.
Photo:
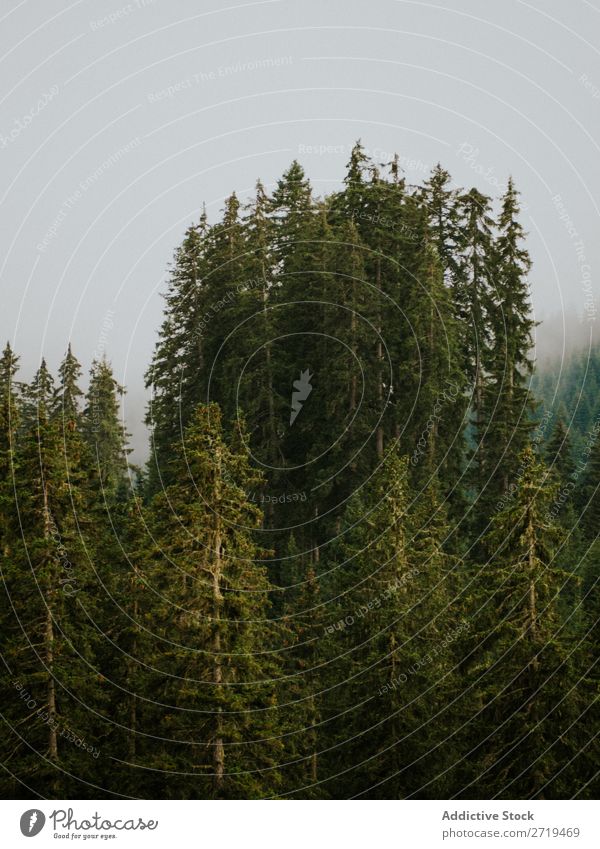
column 49, row 641
column 379, row 435
column 532, row 600
column 479, row 417
column 49, row 646
column 434, row 430
column 316, row 553
column 314, row 764
column 353, row 382
column 131, row 746
column 218, row 747
column 269, row 510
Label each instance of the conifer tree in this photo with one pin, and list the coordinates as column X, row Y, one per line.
column 104, row 432
column 325, row 627
column 49, row 646
column 559, row 452
column 392, row 632
column 217, row 667
column 507, row 403
column 302, row 684
column 68, row 394
column 9, row 426
column 444, row 221
column 589, row 496
column 522, row 671
column 178, row 363
column 473, row 302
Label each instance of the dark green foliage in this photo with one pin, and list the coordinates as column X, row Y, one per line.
column 104, row 432
column 214, row 661
column 49, row 681
column 347, row 570
column 523, row 668
column 507, row 406
column 391, row 631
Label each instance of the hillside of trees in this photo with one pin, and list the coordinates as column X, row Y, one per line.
column 362, row 561
column 570, row 388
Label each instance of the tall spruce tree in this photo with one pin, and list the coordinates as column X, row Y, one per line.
column 178, row 363
column 391, row 626
column 216, row 665
column 522, row 673
column 49, row 645
column 507, row 402
column 104, row 431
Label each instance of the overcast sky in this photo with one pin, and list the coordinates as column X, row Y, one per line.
column 117, row 120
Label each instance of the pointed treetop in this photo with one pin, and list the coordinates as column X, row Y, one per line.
column 68, row 392
column 230, row 213
column 41, row 389
column 260, row 192
column 9, row 363
column 103, row 428
column 293, row 190
column 357, row 164
column 294, row 172
column 202, row 228
column 439, row 177
column 395, row 170
column 510, row 205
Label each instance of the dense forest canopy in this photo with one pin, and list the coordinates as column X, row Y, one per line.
column 362, row 560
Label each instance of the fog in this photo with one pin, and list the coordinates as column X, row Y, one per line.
column 118, row 120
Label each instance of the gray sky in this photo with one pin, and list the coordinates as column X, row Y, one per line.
column 118, row 119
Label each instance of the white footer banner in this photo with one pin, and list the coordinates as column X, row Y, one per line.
column 302, row 824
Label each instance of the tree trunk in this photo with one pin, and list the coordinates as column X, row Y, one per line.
column 131, row 744
column 353, row 381
column 218, row 747
column 49, row 647
column 379, row 436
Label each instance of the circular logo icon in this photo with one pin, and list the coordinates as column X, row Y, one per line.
column 32, row 822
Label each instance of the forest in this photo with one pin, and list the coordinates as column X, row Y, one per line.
column 362, row 559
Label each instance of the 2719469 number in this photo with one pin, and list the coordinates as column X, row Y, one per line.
column 553, row 832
